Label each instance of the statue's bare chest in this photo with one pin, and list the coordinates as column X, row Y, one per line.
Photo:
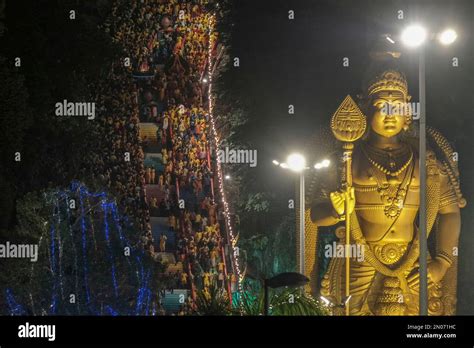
column 384, row 200
column 373, row 186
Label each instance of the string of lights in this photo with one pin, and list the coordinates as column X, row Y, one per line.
column 15, row 307
column 218, row 164
column 107, row 238
column 71, row 235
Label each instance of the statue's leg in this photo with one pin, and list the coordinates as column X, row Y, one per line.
column 362, row 277
column 436, row 305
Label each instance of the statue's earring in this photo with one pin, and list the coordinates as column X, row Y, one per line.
column 407, row 123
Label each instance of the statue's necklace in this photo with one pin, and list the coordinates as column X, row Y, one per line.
column 390, row 158
column 393, row 195
column 392, row 191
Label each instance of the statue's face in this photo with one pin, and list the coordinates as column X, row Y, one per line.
column 388, row 118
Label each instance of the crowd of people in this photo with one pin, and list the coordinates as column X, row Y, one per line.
column 167, row 43
column 198, row 223
column 187, row 173
column 119, row 164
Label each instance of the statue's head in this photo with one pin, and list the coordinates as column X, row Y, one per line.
column 388, row 108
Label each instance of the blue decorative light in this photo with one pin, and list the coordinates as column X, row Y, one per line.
column 107, row 238
column 15, row 308
column 62, row 239
column 84, row 244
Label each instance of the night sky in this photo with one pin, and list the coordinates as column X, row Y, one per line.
column 299, row 62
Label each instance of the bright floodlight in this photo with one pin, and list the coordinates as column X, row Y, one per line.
column 318, row 166
column 414, row 35
column 227, row 177
column 326, row 163
column 275, row 162
column 204, row 80
column 296, row 162
column 448, row 36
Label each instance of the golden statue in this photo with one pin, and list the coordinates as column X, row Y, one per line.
column 377, row 209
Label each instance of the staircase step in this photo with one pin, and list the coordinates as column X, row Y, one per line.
column 152, row 148
column 166, row 258
column 172, row 302
column 160, row 225
column 154, row 191
column 174, row 268
column 148, row 130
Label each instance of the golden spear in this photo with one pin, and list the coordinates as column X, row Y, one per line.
column 348, row 124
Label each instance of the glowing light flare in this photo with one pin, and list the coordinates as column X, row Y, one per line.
column 413, row 35
column 296, row 162
column 447, row 37
column 323, row 164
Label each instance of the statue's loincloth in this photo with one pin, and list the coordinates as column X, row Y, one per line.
column 374, row 292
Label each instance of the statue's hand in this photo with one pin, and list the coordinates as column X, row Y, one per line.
column 436, row 270
column 338, row 199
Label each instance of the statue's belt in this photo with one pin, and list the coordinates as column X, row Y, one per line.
column 383, row 206
column 389, row 253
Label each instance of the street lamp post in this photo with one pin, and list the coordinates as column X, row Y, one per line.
column 302, row 223
column 297, row 163
column 423, row 214
column 414, row 36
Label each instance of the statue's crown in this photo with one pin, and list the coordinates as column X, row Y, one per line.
column 389, row 80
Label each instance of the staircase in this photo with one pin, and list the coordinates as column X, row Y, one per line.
column 173, row 301
column 148, row 131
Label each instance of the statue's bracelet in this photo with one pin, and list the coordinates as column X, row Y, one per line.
column 341, row 217
column 444, row 256
column 337, row 216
